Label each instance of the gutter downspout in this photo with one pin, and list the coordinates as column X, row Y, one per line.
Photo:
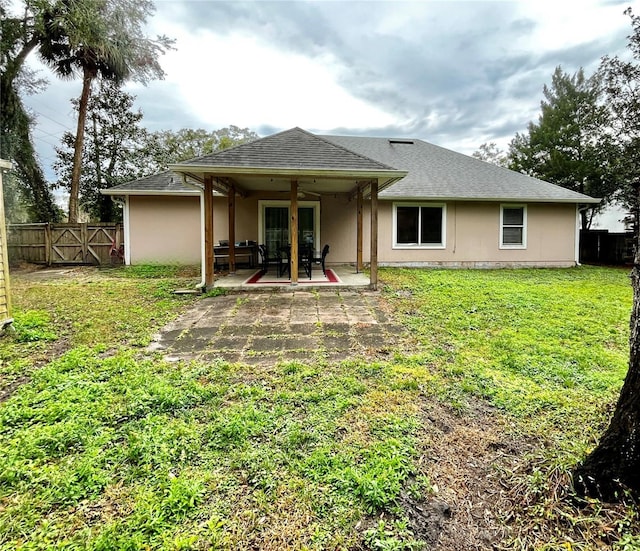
column 203, row 260
column 123, row 202
column 579, row 210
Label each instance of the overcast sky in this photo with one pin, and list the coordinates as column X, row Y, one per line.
column 453, row 73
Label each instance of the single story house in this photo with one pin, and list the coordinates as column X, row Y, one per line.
column 382, row 201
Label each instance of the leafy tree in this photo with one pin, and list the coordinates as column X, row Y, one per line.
column 19, row 36
column 99, row 38
column 614, row 465
column 113, row 139
column 165, row 147
column 491, row 153
column 571, row 144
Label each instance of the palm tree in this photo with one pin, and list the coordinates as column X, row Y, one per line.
column 99, row 39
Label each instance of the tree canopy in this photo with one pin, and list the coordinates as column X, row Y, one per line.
column 571, row 143
column 119, row 149
column 20, row 35
column 99, row 38
column 114, row 137
column 612, row 469
column 491, row 153
column 165, row 147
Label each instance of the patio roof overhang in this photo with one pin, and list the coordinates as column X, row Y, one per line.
column 232, row 180
column 244, row 180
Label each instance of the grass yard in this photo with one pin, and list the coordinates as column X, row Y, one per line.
column 466, row 443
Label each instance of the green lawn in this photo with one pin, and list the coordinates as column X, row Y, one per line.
column 107, row 447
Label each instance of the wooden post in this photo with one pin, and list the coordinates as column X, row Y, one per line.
column 294, row 232
column 209, row 276
column 231, row 200
column 5, row 316
column 84, row 241
column 359, row 230
column 373, row 282
column 47, row 243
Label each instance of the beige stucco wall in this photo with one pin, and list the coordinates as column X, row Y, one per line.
column 168, row 230
column 164, row 229
column 473, row 237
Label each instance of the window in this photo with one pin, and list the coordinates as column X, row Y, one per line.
column 419, row 226
column 513, row 227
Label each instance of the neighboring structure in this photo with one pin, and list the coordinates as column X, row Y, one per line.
column 5, row 291
column 426, row 205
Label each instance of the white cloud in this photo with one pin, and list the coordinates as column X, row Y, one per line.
column 237, row 79
column 455, row 73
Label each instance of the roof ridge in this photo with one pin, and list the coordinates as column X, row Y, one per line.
column 340, row 146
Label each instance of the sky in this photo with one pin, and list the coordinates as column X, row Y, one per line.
column 453, row 73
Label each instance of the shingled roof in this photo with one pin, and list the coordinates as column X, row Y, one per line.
column 439, row 174
column 162, row 183
column 291, row 149
column 433, row 172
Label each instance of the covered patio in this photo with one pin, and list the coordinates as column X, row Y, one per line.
column 346, row 277
column 286, row 168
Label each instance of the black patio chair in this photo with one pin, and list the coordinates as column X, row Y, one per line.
column 266, row 260
column 306, row 259
column 325, row 252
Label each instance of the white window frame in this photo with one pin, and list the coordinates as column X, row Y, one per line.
column 262, row 204
column 441, row 245
column 522, row 245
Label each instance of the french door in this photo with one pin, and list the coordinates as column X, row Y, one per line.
column 274, row 225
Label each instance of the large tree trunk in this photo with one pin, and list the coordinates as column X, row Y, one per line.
column 614, row 465
column 74, row 191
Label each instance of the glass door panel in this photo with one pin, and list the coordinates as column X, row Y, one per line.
column 276, row 228
column 306, row 226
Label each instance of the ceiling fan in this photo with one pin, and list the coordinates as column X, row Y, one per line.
column 302, row 192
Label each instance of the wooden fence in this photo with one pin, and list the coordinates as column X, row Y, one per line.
column 603, row 247
column 49, row 244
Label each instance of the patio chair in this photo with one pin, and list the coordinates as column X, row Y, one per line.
column 306, row 259
column 266, row 260
column 285, row 260
column 325, row 252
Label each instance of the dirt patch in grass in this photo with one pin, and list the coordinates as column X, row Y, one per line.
column 463, row 455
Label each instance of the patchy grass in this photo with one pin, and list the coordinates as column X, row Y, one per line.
column 549, row 350
column 105, row 447
column 88, row 307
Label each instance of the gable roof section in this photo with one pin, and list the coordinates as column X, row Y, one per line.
column 437, row 173
column 292, row 149
column 162, row 183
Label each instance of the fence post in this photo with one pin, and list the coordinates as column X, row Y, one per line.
column 84, row 239
column 47, row 243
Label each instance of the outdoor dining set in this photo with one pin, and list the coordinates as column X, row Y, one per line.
column 280, row 259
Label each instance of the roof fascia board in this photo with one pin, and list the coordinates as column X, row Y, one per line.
column 585, row 201
column 275, row 171
column 193, row 193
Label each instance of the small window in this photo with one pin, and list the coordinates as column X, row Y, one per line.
column 513, row 227
column 419, row 226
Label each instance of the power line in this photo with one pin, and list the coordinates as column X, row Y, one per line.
column 39, row 113
column 47, row 133
column 45, row 141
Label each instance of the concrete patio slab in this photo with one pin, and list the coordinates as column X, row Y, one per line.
column 273, row 326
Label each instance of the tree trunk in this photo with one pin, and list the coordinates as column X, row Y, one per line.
column 74, row 192
column 585, row 219
column 614, row 465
